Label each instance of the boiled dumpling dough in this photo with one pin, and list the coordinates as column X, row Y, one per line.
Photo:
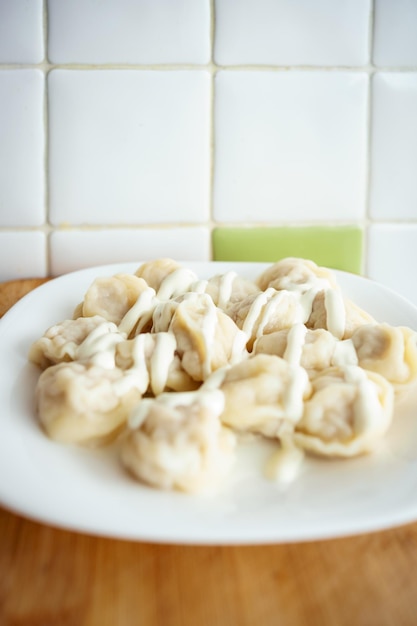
column 262, row 394
column 389, row 351
column 167, row 277
column 83, row 404
column 349, row 411
column 206, row 337
column 266, row 312
column 112, row 296
column 295, row 274
column 315, row 350
column 82, row 338
column 151, row 358
column 178, row 442
column 227, row 289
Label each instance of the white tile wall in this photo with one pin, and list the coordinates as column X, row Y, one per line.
column 22, row 255
column 395, row 33
column 129, row 31
column 21, row 31
column 128, row 146
column 124, row 245
column 133, row 128
column 393, row 257
column 21, row 148
column 277, row 159
column 284, row 32
column 394, row 146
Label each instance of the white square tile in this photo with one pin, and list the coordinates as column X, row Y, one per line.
column 290, row 146
column 128, row 146
column 394, row 146
column 284, row 32
column 21, row 148
column 395, row 33
column 21, row 31
column 129, row 31
column 392, row 257
column 22, row 255
column 73, row 250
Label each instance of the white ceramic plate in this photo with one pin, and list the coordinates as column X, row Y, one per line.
column 88, row 491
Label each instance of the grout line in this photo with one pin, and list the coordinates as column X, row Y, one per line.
column 94, row 228
column 368, row 173
column 46, row 69
column 211, row 66
column 210, row 223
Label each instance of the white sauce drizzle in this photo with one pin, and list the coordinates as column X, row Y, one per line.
column 367, row 408
column 293, row 395
column 306, row 301
column 161, row 359
column 212, row 399
column 99, row 345
column 225, row 288
column 176, row 283
column 208, row 331
column 255, row 310
column 344, row 353
column 142, row 307
column 284, row 464
column 335, row 312
column 295, row 343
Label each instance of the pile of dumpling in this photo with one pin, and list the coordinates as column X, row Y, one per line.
column 177, row 368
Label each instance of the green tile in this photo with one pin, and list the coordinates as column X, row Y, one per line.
column 339, row 247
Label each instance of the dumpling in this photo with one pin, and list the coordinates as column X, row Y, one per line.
column 228, row 289
column 339, row 315
column 83, row 404
column 84, row 338
column 113, row 296
column 296, row 274
column 389, row 351
column 151, row 358
column 266, row 312
column 178, row 442
column 154, row 272
column 167, row 277
column 263, row 394
column 206, row 337
column 348, row 412
column 315, row 350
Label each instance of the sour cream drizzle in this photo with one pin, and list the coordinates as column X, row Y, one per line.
column 367, row 407
column 336, row 312
column 295, row 343
column 161, row 359
column 143, row 307
column 176, row 283
column 99, row 345
column 213, row 399
column 225, row 288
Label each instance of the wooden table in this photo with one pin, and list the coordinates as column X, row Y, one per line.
column 54, row 577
